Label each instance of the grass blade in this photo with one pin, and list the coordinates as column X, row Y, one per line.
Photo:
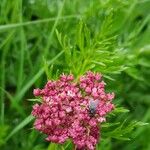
column 32, row 81
column 16, row 25
column 49, row 39
column 20, row 126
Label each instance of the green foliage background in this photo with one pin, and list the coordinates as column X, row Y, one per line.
column 40, row 39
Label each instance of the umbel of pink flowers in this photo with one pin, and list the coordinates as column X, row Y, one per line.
column 73, row 110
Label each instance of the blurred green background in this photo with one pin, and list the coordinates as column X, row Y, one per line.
column 40, row 39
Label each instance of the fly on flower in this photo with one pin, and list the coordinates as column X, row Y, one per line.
column 92, row 106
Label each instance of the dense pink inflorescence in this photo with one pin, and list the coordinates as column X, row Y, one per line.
column 73, row 110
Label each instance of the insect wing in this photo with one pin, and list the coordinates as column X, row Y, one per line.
column 93, row 104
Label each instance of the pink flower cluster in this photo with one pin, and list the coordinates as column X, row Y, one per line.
column 73, row 110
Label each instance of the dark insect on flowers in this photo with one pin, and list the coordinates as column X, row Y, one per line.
column 92, row 107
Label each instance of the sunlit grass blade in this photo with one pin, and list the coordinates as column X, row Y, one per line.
column 35, row 100
column 49, row 38
column 52, row 146
column 16, row 25
column 35, row 77
column 20, row 126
